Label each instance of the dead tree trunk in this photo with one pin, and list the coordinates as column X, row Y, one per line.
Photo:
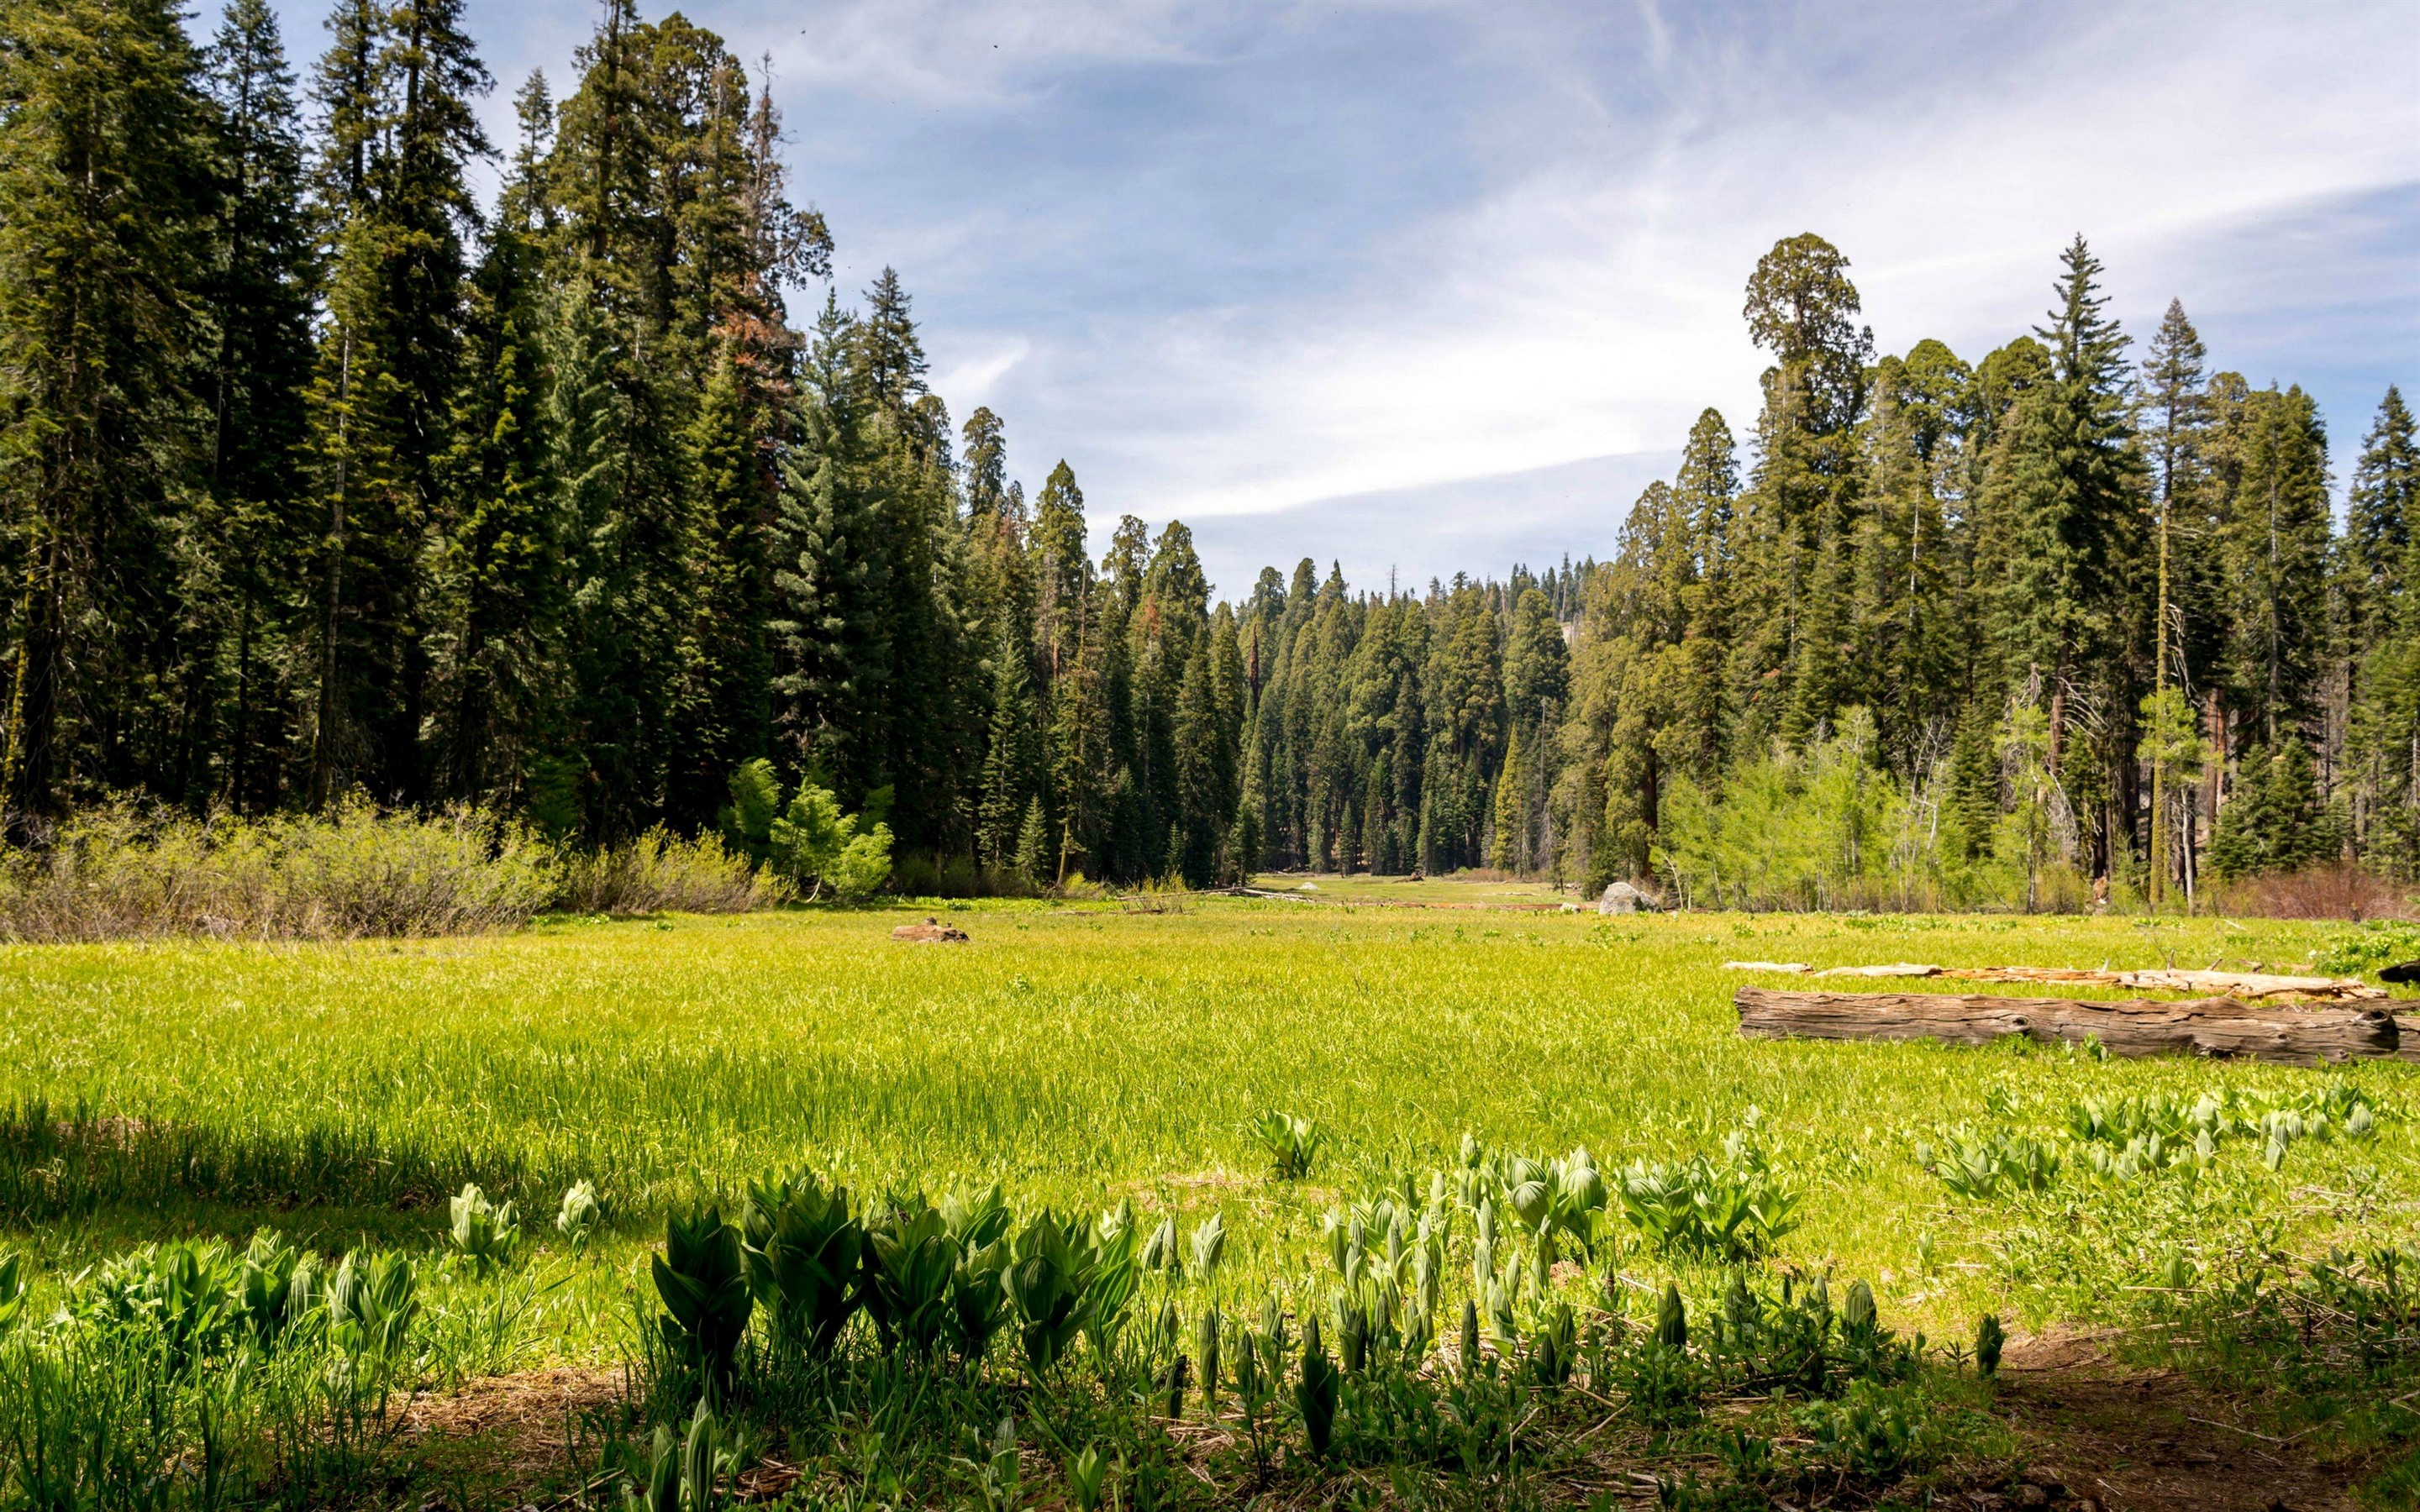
column 2200, row 1025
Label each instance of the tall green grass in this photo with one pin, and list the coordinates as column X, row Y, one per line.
column 1067, row 1052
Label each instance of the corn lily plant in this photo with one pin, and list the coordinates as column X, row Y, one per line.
column 910, row 1260
column 705, row 1292
column 802, row 1253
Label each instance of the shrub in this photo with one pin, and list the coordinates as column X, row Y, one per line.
column 128, row 871
column 660, row 872
column 1875, row 1431
column 705, row 1293
column 810, row 842
column 485, row 1233
column 125, row 870
column 1978, row 1166
column 2340, row 890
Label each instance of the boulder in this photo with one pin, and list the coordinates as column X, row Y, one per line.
column 931, row 931
column 1621, row 897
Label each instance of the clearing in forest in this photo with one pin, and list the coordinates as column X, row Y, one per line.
column 1090, row 1061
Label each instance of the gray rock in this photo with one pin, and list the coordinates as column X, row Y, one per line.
column 1621, row 897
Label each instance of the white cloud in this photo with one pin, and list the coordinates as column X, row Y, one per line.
column 1590, row 304
column 972, row 378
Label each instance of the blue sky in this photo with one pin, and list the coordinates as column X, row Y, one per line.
column 1422, row 286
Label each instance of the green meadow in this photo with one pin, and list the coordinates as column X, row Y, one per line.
column 1080, row 1055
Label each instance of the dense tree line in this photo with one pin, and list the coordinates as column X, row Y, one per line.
column 320, row 477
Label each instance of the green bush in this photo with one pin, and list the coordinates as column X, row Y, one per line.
column 809, row 842
column 660, row 872
column 124, row 871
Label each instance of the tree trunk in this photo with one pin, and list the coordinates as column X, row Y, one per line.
column 2219, row 1026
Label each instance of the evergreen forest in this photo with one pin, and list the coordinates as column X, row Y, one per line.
column 324, row 477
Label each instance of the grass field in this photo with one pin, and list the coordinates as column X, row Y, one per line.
column 1081, row 1053
column 1072, row 1054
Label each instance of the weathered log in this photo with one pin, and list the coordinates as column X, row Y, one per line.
column 2200, row 1025
column 2227, row 983
column 2240, row 984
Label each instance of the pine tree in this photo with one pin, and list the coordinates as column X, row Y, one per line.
column 1801, row 308
column 1466, row 729
column 2274, row 546
column 397, row 88
column 258, row 293
column 1064, row 569
column 2175, row 417
column 2070, row 483
column 1972, row 810
column 1032, row 843
column 1504, row 838
column 2381, row 547
column 584, row 425
column 2071, row 486
column 2383, row 505
column 2174, row 408
column 2278, row 821
column 1012, row 774
column 831, row 579
column 1207, row 737
column 527, row 203
column 105, row 211
column 662, row 197
column 501, row 586
column 1537, row 667
column 724, row 704
column 1905, row 616
column 1706, row 490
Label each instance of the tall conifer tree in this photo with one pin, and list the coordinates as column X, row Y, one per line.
column 105, row 209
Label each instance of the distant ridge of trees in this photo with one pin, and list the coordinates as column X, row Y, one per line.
column 315, row 480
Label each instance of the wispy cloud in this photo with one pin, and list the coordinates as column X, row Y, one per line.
column 1590, row 304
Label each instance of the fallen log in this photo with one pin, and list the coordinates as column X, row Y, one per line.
column 2220, row 1026
column 2252, row 984
column 2239, row 984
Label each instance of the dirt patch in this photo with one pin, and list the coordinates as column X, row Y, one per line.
column 1198, row 1181
column 2137, row 1440
column 521, row 1424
